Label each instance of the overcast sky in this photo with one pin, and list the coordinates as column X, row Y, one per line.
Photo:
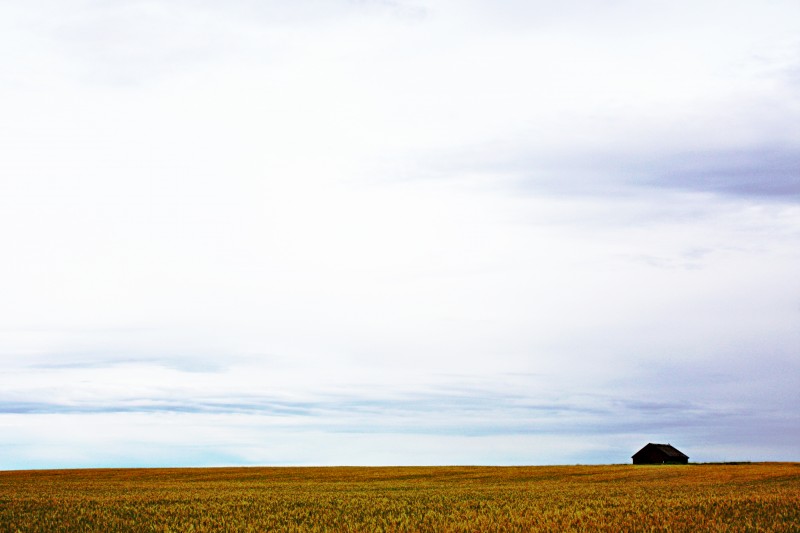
column 398, row 232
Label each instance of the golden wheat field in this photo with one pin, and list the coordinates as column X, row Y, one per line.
column 712, row 497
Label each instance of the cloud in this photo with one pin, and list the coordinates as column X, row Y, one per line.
column 498, row 225
column 155, row 405
column 757, row 174
column 493, row 428
column 767, row 173
column 226, row 418
column 139, row 43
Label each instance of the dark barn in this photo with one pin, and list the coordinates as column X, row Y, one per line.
column 659, row 454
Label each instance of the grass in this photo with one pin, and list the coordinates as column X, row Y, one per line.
column 719, row 497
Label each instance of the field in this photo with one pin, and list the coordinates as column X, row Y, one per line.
column 744, row 497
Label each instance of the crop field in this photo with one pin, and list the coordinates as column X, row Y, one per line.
column 711, row 497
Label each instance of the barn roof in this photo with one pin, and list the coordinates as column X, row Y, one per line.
column 666, row 449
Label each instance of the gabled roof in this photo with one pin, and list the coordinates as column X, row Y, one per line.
column 666, row 449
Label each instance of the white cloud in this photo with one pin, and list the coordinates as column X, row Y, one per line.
column 364, row 201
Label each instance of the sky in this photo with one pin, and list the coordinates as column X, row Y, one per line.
column 398, row 232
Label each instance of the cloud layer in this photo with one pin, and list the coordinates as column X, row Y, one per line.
column 421, row 232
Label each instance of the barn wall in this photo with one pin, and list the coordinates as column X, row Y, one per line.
column 651, row 456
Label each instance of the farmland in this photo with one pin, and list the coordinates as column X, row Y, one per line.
column 744, row 497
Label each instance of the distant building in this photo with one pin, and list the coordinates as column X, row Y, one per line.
column 658, row 454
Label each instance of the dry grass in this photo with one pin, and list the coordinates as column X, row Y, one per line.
column 747, row 497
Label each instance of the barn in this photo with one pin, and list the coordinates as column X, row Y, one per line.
column 658, row 454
